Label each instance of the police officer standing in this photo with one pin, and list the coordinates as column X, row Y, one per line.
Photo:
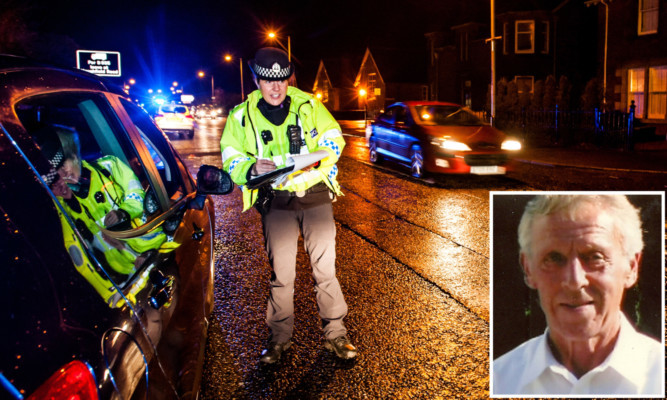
column 276, row 122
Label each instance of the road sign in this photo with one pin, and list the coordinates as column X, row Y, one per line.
column 102, row 63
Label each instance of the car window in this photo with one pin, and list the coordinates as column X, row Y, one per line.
column 390, row 115
column 401, row 115
column 445, row 115
column 92, row 167
column 168, row 166
column 174, row 109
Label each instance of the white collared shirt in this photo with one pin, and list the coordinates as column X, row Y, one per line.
column 636, row 366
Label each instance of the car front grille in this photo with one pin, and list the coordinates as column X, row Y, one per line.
column 485, row 146
column 485, row 159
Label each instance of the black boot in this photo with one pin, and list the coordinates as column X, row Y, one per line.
column 273, row 352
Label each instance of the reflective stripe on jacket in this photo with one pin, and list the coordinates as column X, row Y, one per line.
column 242, row 144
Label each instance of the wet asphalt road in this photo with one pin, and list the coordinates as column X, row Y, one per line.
column 415, row 339
column 413, row 262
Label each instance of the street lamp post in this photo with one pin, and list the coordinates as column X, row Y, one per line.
column 228, row 58
column 606, row 33
column 201, row 74
column 272, row 35
column 362, row 94
column 128, row 85
column 492, row 87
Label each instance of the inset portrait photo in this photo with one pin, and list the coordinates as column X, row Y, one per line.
column 577, row 294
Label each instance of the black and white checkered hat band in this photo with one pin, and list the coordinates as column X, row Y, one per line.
column 56, row 162
column 57, row 159
column 273, row 73
column 50, row 177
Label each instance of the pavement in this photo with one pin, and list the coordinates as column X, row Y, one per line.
column 649, row 158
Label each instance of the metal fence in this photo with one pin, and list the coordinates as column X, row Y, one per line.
column 559, row 127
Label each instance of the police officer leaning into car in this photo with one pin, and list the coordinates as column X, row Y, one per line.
column 274, row 122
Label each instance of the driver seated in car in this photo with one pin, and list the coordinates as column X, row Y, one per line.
column 99, row 196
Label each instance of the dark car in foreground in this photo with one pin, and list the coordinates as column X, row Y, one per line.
column 439, row 137
column 86, row 313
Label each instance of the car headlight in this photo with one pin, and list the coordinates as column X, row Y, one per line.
column 511, row 144
column 453, row 145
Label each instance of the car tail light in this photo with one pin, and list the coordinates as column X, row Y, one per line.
column 73, row 381
column 189, row 116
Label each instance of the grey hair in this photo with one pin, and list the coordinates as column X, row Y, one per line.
column 626, row 217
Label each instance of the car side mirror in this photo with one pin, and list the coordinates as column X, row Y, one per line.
column 213, row 180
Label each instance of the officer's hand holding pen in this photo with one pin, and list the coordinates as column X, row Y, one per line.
column 263, row 166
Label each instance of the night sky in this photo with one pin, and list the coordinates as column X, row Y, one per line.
column 165, row 41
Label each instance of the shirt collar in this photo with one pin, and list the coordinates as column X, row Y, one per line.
column 543, row 359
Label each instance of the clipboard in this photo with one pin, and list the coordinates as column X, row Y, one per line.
column 269, row 177
column 294, row 163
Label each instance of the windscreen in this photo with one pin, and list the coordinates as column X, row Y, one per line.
column 445, row 115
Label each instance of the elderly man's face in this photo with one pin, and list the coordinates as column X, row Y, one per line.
column 580, row 272
column 274, row 92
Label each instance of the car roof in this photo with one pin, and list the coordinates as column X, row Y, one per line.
column 19, row 75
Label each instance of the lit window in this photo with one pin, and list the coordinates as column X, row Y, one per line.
column 648, row 17
column 657, row 92
column 636, row 79
column 372, row 82
column 525, row 37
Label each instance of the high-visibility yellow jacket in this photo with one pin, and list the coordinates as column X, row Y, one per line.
column 242, row 144
column 113, row 185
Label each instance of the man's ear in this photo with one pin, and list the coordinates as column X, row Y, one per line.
column 632, row 274
column 527, row 276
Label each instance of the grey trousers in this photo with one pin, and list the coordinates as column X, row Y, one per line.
column 312, row 216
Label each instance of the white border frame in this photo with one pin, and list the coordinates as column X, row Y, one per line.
column 491, row 269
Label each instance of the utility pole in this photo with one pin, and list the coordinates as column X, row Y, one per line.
column 241, row 69
column 606, row 34
column 493, row 62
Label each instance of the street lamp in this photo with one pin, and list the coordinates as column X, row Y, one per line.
column 228, row 58
column 201, row 74
column 272, row 35
column 128, row 85
column 362, row 94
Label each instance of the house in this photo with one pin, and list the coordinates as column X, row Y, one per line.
column 531, row 44
column 388, row 75
column 324, row 89
column 334, row 86
column 635, row 66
